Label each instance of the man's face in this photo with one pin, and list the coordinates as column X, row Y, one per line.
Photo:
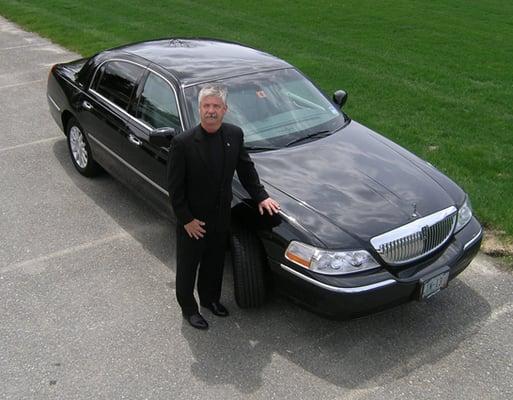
column 212, row 110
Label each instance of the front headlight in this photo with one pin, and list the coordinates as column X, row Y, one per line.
column 329, row 262
column 464, row 215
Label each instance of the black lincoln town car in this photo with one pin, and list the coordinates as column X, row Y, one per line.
column 364, row 224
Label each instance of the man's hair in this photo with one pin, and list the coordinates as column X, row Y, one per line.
column 213, row 90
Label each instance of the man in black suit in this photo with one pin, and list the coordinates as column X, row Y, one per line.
column 200, row 171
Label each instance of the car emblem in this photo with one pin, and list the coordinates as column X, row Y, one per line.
column 414, row 214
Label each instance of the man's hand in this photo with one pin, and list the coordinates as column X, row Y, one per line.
column 270, row 205
column 194, row 229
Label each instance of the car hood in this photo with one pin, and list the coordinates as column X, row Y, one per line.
column 356, row 180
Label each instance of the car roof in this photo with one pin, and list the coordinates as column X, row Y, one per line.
column 196, row 60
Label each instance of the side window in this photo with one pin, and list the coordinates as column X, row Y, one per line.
column 157, row 104
column 117, row 81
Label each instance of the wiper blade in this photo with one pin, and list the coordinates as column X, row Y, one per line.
column 310, row 136
column 260, row 148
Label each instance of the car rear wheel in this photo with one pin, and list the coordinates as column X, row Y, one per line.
column 80, row 150
column 249, row 269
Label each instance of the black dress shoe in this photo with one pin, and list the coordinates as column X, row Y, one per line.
column 217, row 309
column 197, row 321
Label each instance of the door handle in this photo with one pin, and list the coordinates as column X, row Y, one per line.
column 87, row 105
column 134, row 139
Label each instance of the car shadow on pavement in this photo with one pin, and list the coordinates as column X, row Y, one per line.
column 131, row 212
column 238, row 350
column 356, row 354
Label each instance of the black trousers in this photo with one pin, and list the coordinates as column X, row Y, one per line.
column 208, row 252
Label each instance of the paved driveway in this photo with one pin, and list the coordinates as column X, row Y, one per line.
column 87, row 307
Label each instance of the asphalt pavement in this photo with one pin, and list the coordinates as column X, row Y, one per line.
column 87, row 306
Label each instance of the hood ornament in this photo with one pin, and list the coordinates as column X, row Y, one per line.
column 414, row 214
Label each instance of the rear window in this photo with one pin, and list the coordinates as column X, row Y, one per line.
column 116, row 81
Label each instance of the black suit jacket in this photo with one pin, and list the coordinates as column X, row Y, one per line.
column 192, row 189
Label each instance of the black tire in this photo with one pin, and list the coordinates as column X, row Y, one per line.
column 82, row 158
column 249, row 269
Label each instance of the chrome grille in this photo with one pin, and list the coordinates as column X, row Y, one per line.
column 416, row 239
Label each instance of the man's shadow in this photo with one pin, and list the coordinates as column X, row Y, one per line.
column 237, row 350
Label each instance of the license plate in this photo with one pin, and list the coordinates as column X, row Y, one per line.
column 433, row 285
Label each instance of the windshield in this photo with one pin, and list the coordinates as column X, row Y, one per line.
column 273, row 108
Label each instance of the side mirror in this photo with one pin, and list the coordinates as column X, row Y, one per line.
column 161, row 137
column 340, row 98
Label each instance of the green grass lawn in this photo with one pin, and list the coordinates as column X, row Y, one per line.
column 435, row 76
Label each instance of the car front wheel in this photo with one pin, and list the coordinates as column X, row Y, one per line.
column 80, row 150
column 249, row 269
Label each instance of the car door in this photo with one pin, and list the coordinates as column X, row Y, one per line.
column 103, row 110
column 154, row 106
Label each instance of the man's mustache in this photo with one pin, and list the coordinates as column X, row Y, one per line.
column 213, row 115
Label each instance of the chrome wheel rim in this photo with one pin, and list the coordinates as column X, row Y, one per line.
column 78, row 146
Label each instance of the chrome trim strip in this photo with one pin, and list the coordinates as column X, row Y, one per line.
column 124, row 111
column 412, row 227
column 358, row 289
column 473, row 240
column 121, row 110
column 128, row 165
column 53, row 102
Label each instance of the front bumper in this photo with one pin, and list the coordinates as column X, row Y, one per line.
column 353, row 296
